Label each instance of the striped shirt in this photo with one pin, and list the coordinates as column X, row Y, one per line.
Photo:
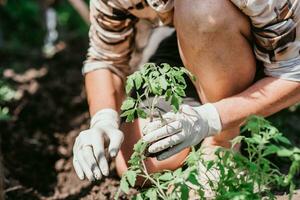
column 274, row 25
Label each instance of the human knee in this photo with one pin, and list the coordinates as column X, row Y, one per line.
column 208, row 16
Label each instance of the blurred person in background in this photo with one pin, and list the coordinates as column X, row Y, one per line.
column 216, row 47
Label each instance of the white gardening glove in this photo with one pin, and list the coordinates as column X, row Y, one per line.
column 184, row 129
column 88, row 152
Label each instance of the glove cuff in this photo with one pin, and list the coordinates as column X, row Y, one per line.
column 211, row 115
column 105, row 117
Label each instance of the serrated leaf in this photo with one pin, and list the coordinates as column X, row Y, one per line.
column 175, row 102
column 184, row 192
column 128, row 103
column 271, row 150
column 193, row 179
column 131, row 177
column 168, row 94
column 166, row 176
column 127, row 112
column 154, row 74
column 138, row 81
column 180, row 91
column 124, row 185
column 129, row 85
column 284, row 153
column 177, row 172
column 151, row 194
column 163, row 82
column 156, row 88
column 210, row 164
column 165, row 67
column 283, row 139
column 130, row 117
column 140, row 146
column 237, row 140
column 180, row 79
column 141, row 113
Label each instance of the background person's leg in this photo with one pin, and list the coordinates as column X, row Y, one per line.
column 213, row 38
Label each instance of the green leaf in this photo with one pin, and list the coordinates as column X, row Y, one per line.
column 151, row 194
column 284, row 153
column 140, row 146
column 129, row 85
column 168, row 94
column 147, row 68
column 176, row 101
column 154, row 74
column 141, row 113
column 210, row 164
column 156, row 87
column 184, row 192
column 180, row 79
column 166, row 176
column 138, row 197
column 131, row 177
column 271, row 150
column 283, row 139
column 124, row 185
column 128, row 103
column 130, row 117
column 134, row 159
column 163, row 82
column 177, row 172
column 127, row 112
column 165, row 68
column 180, row 91
column 257, row 138
column 193, row 179
column 237, row 140
column 138, row 81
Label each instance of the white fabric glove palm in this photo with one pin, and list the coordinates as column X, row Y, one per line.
column 184, row 129
column 89, row 152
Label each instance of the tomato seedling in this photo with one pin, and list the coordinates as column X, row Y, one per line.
column 238, row 176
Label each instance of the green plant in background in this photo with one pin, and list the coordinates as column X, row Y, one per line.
column 22, row 24
column 230, row 175
column 6, row 95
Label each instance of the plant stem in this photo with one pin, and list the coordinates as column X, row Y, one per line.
column 161, row 192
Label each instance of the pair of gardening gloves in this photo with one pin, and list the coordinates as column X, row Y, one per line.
column 167, row 137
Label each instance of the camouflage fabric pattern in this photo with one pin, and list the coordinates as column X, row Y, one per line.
column 275, row 26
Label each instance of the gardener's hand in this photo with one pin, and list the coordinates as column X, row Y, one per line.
column 89, row 156
column 184, row 129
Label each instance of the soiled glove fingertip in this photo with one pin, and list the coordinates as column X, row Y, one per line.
column 113, row 153
column 98, row 177
column 106, row 173
column 152, row 149
column 81, row 177
column 97, row 174
column 148, row 138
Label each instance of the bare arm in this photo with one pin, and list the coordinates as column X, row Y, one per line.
column 104, row 90
column 265, row 98
column 111, row 43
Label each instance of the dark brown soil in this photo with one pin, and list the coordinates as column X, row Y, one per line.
column 37, row 143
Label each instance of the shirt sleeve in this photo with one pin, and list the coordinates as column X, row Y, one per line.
column 276, row 31
column 111, row 38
